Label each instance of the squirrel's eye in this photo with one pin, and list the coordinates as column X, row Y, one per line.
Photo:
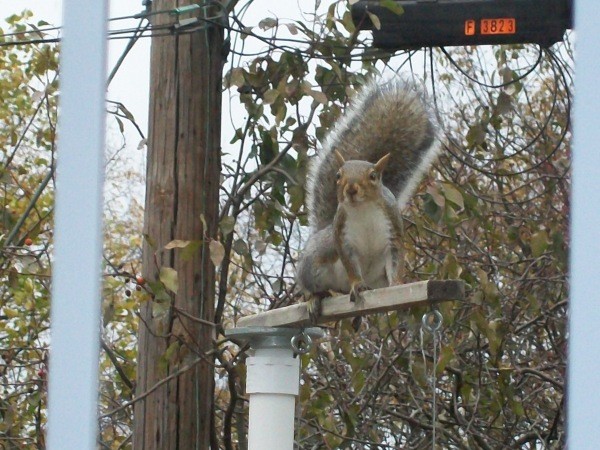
column 338, row 175
column 373, row 175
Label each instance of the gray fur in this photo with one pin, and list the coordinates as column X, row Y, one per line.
column 386, row 117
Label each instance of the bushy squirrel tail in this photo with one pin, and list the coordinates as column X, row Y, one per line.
column 386, row 117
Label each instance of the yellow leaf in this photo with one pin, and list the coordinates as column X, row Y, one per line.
column 217, row 252
column 176, row 243
column 168, row 277
column 438, row 198
column 375, row 20
column 319, row 96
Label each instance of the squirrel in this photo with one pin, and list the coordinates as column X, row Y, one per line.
column 366, row 171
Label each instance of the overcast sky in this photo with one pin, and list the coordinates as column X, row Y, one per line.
column 130, row 85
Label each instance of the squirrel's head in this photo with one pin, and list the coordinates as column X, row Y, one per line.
column 358, row 181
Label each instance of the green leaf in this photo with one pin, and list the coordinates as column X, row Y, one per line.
column 539, row 243
column 158, row 290
column 452, row 194
column 190, row 250
column 374, row 20
column 160, row 310
column 451, row 267
column 121, row 126
column 393, row 6
column 446, row 356
column 236, row 77
column 267, row 23
column 476, row 135
column 270, row 96
column 150, row 241
column 517, row 407
column 504, row 104
column 240, row 247
column 171, row 351
column 126, row 112
column 431, row 208
column 319, row 96
column 226, row 225
column 168, row 276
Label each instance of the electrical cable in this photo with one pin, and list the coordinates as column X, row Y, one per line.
column 128, row 48
column 560, row 78
column 166, row 30
column 493, row 86
column 35, row 30
column 522, row 149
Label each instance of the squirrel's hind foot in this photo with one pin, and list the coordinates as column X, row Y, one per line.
column 357, row 290
column 314, row 306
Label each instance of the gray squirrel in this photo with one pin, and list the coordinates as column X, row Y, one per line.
column 367, row 170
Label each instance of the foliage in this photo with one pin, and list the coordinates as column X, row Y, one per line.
column 28, row 79
column 493, row 212
column 29, row 83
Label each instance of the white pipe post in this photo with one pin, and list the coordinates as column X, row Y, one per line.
column 76, row 271
column 272, row 382
column 584, row 315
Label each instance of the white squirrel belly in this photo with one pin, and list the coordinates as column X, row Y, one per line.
column 368, row 231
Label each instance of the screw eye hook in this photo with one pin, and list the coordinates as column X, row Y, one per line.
column 432, row 321
column 301, row 343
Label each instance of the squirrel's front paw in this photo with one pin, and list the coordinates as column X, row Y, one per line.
column 356, row 291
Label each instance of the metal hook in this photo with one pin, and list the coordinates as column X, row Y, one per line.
column 301, row 343
column 432, row 321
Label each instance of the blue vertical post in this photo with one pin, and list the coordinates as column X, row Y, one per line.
column 75, row 309
column 584, row 317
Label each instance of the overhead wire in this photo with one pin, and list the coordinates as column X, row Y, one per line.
column 172, row 29
column 461, row 155
column 281, row 44
column 522, row 148
column 493, row 86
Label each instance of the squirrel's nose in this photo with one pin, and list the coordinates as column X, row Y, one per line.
column 351, row 190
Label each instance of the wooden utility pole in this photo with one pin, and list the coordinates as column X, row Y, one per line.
column 182, row 187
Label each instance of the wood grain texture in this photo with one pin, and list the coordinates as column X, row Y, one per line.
column 183, row 173
column 376, row 301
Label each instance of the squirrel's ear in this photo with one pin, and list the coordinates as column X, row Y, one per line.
column 380, row 165
column 339, row 158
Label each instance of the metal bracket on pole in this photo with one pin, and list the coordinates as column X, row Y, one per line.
column 272, row 382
